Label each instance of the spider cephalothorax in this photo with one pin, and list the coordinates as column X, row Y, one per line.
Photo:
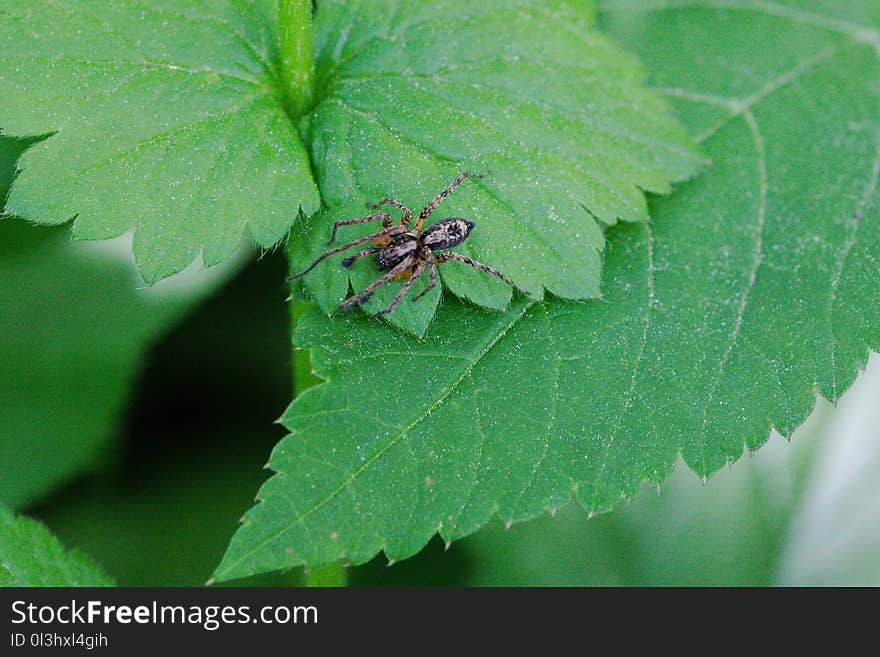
column 442, row 235
column 404, row 253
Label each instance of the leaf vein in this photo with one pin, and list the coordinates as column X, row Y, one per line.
column 773, row 9
column 160, row 138
column 378, row 454
column 636, row 368
column 757, row 258
column 852, row 229
column 551, row 422
column 536, row 235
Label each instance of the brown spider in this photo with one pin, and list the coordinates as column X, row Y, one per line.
column 405, row 253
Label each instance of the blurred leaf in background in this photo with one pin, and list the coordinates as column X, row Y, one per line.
column 74, row 332
column 171, row 525
column 75, row 329
column 194, row 441
column 834, row 536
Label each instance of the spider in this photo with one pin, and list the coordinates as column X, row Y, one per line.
column 404, row 253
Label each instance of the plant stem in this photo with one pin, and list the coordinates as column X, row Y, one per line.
column 297, row 61
column 297, row 74
column 332, row 574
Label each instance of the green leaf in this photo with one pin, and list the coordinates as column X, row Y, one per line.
column 10, row 150
column 167, row 119
column 801, row 511
column 666, row 539
column 800, row 514
column 413, row 93
column 75, row 332
column 170, row 120
column 31, row 556
column 754, row 288
column 74, row 335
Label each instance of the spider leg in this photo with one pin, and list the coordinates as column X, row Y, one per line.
column 367, row 292
column 349, row 261
column 451, row 255
column 417, row 273
column 432, row 272
column 384, row 217
column 394, row 230
column 424, row 214
column 407, row 213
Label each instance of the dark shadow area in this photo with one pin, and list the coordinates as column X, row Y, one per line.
column 199, row 428
column 191, row 454
column 433, row 566
column 220, row 376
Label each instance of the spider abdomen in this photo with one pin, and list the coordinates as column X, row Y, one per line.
column 447, row 234
column 399, row 248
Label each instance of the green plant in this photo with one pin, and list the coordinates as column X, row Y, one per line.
column 753, row 287
column 30, row 556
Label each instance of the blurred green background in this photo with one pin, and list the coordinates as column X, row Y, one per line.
column 135, row 423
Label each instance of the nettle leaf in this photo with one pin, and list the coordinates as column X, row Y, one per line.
column 413, row 93
column 754, row 288
column 167, row 119
column 31, row 556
